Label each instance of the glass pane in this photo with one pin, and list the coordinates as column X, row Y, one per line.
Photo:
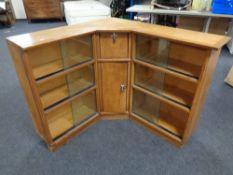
column 84, row 107
column 80, row 79
column 164, row 115
column 166, row 85
column 146, row 106
column 60, row 120
column 172, row 119
column 45, row 60
column 58, row 89
column 152, row 50
column 149, row 79
column 53, row 91
column 76, row 50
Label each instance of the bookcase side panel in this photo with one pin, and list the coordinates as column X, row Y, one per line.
column 201, row 92
column 17, row 55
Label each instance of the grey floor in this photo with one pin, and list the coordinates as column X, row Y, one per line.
column 113, row 147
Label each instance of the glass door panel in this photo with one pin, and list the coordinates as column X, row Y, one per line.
column 162, row 114
column 60, row 120
column 149, row 79
column 51, row 58
column 167, row 85
column 84, row 107
column 178, row 57
column 146, row 106
column 173, row 119
column 81, row 79
column 71, row 114
column 45, row 60
column 76, row 50
column 53, row 91
column 152, row 50
column 58, row 89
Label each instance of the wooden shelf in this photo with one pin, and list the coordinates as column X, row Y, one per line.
column 165, row 70
column 55, row 66
column 182, row 100
column 170, row 127
column 161, row 98
column 168, row 136
column 60, row 125
column 143, row 112
column 165, row 84
column 194, row 68
column 173, row 121
column 160, row 113
column 79, row 85
column 65, row 122
column 60, row 120
column 76, row 50
column 66, row 101
column 54, row 96
column 83, row 41
column 170, row 55
column 75, row 60
column 172, row 68
column 65, row 72
column 181, row 96
column 72, row 113
column 83, row 113
column 47, row 69
column 63, row 92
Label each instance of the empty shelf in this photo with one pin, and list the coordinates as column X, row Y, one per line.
column 54, row 96
column 47, row 69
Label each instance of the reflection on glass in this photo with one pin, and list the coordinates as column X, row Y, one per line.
column 149, row 79
column 80, row 79
column 84, row 107
column 152, row 50
column 76, row 50
column 146, row 106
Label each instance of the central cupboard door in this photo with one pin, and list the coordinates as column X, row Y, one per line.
column 113, row 87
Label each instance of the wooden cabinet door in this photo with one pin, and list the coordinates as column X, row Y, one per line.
column 113, row 87
column 114, row 45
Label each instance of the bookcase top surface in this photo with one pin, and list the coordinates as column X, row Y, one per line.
column 29, row 40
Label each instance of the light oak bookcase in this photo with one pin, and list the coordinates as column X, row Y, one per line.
column 155, row 76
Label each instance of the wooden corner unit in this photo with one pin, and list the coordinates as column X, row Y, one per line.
column 155, row 76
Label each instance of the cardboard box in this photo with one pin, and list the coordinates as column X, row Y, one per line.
column 229, row 78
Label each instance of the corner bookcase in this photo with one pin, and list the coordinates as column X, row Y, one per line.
column 115, row 69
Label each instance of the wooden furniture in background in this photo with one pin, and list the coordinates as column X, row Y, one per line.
column 43, row 9
column 7, row 15
column 193, row 20
column 155, row 76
